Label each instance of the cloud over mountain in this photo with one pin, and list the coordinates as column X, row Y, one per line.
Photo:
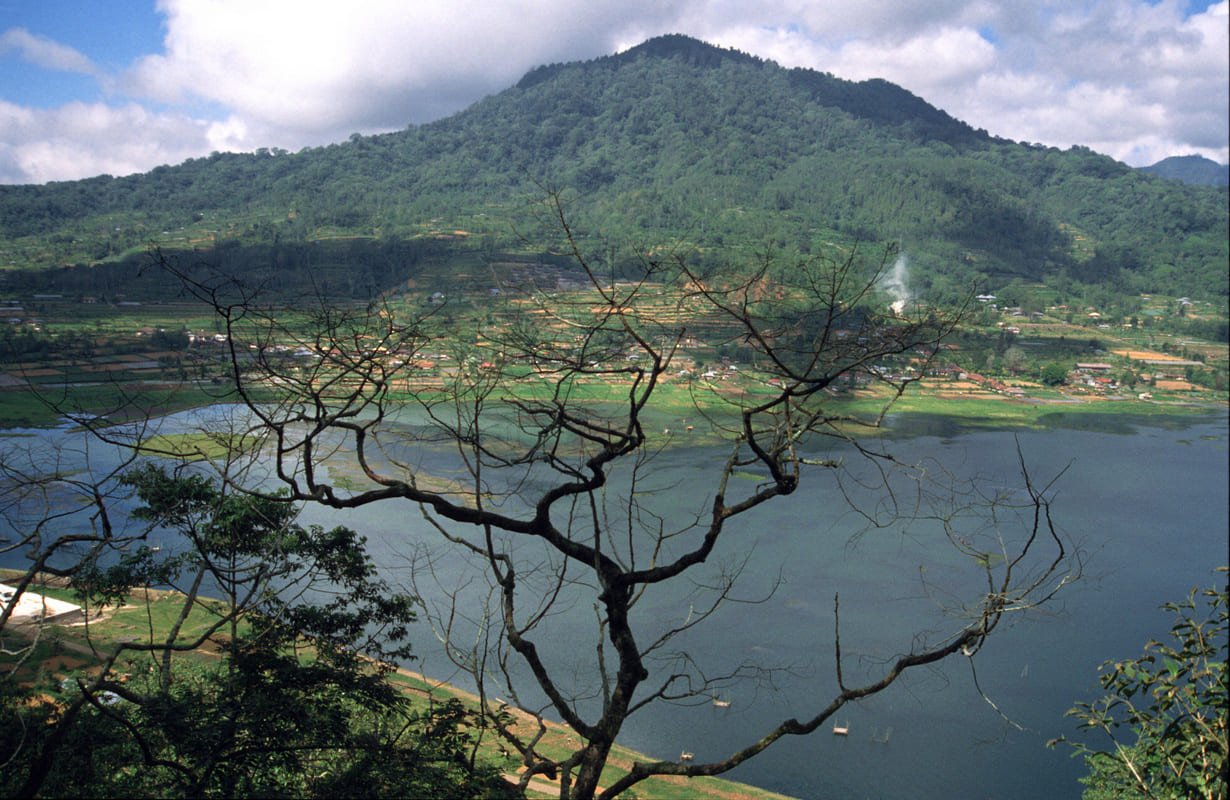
column 1138, row 81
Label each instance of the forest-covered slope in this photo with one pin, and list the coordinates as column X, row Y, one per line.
column 1196, row 170
column 678, row 140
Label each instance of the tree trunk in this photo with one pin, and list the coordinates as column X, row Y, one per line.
column 593, row 759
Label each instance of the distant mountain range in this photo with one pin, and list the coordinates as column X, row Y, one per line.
column 1195, row 170
column 673, row 141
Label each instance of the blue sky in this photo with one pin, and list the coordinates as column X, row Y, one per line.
column 110, row 34
column 120, row 86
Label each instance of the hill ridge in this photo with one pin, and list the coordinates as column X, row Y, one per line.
column 677, row 140
column 1191, row 169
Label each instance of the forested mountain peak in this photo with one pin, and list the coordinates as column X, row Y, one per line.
column 677, row 140
column 671, row 46
column 694, row 51
column 875, row 99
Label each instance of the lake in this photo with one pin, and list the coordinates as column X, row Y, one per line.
column 1146, row 504
column 1145, row 499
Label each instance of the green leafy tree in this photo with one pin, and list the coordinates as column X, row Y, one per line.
column 1055, row 374
column 1172, row 703
column 250, row 729
column 297, row 701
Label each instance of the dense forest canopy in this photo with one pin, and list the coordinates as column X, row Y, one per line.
column 672, row 142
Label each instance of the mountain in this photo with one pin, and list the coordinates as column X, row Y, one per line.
column 1194, row 170
column 673, row 141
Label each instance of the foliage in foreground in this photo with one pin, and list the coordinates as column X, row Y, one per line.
column 290, row 707
column 257, row 726
column 1173, row 700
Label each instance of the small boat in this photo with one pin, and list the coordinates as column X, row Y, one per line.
column 720, row 702
column 685, row 756
column 841, row 730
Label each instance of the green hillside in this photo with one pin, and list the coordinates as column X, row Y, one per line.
column 672, row 142
column 1195, row 170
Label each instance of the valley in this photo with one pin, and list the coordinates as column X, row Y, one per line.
column 1001, row 366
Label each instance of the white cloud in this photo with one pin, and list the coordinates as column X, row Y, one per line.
column 44, row 52
column 82, row 139
column 1133, row 79
column 320, row 66
column 946, row 57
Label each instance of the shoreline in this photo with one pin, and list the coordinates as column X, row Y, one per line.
column 621, row 757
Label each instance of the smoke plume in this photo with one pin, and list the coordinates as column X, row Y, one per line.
column 896, row 283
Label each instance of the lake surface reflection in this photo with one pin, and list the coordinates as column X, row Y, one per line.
column 1148, row 506
column 1147, row 503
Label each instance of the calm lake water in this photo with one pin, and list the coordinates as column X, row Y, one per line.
column 1146, row 504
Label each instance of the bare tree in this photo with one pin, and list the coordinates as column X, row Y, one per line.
column 550, row 419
